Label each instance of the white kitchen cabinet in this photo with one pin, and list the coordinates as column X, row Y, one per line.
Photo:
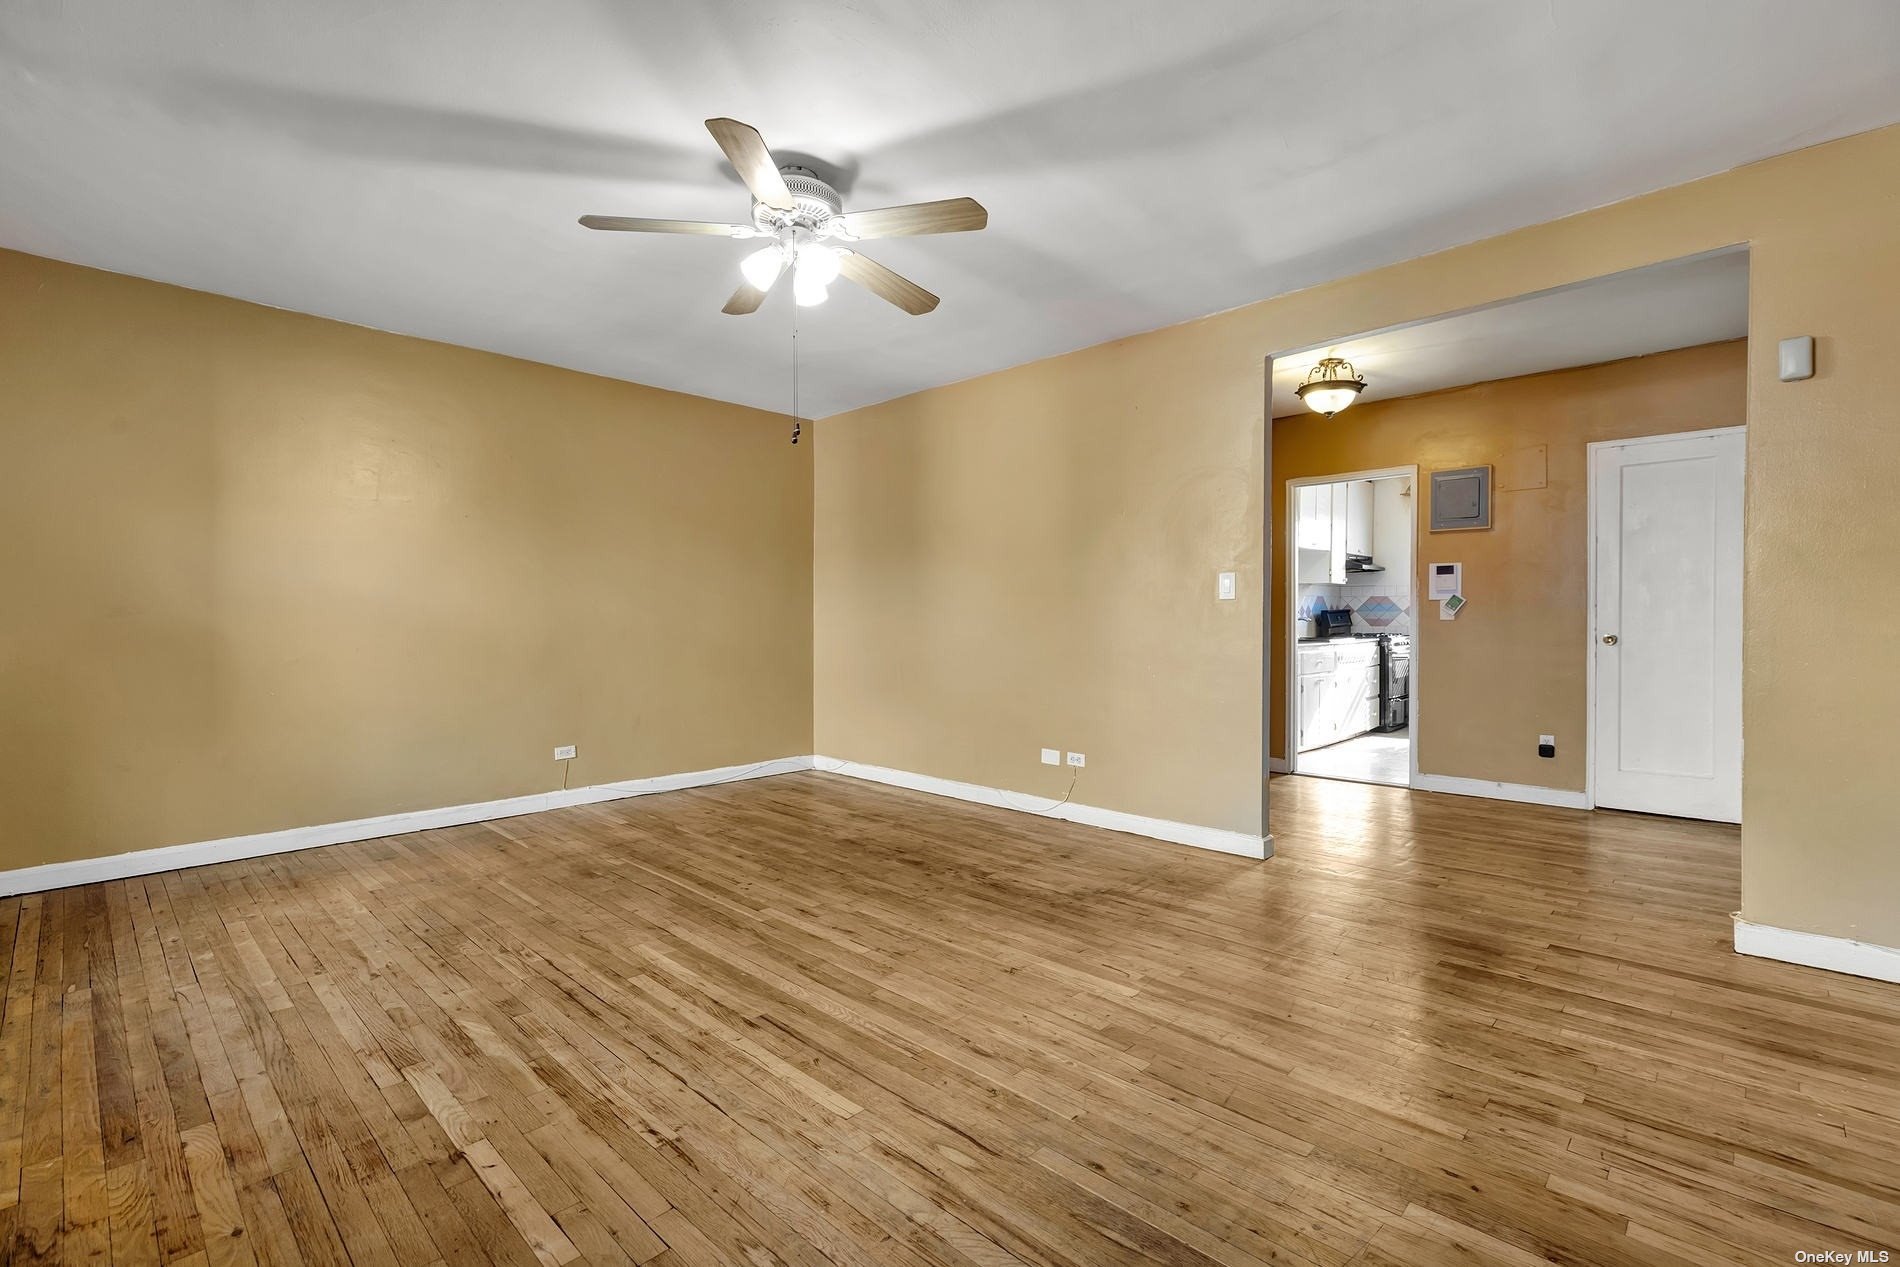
column 1362, row 710
column 1313, row 691
column 1313, row 526
column 1339, row 692
column 1359, row 517
column 1320, row 533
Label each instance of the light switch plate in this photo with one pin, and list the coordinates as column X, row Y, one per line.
column 1224, row 587
column 1797, row 358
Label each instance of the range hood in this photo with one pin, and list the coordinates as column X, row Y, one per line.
column 1361, row 563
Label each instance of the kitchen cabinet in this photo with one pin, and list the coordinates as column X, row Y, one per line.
column 1319, row 534
column 1313, row 525
column 1339, row 691
column 1314, row 690
column 1330, row 522
column 1358, row 526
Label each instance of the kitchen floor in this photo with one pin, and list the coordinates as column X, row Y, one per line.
column 1368, row 758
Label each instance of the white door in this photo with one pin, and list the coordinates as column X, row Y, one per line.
column 1667, row 624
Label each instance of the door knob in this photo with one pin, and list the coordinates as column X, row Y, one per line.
column 1609, row 640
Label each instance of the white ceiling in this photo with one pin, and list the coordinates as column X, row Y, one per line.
column 1675, row 305
column 418, row 166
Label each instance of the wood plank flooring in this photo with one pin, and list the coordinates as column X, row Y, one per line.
column 805, row 1020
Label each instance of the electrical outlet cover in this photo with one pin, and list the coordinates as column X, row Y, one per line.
column 1078, row 760
column 564, row 753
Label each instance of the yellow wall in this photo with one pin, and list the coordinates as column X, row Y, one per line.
column 1028, row 560
column 267, row 571
column 1076, row 510
column 1513, row 665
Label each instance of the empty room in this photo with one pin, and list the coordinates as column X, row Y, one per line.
column 950, row 635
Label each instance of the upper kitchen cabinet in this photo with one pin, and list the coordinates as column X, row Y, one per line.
column 1358, row 526
column 1313, row 525
column 1331, row 521
column 1319, row 534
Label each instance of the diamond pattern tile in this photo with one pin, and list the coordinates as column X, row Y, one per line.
column 1379, row 611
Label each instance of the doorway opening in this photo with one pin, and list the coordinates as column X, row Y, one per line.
column 1351, row 605
column 1498, row 421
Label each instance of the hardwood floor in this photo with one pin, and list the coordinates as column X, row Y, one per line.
column 807, row 1020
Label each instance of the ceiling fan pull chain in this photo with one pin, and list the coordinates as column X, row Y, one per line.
column 795, row 425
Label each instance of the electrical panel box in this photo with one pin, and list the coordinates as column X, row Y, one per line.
column 1461, row 499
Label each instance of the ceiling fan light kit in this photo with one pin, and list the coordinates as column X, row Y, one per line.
column 762, row 267
column 801, row 216
column 1330, row 386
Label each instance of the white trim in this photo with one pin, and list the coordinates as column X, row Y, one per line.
column 1216, row 838
column 1290, row 763
column 1590, row 574
column 1278, row 765
column 1530, row 794
column 1664, row 437
column 59, row 875
column 1814, row 950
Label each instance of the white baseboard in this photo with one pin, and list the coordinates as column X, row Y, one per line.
column 1215, row 838
column 1278, row 765
column 59, row 875
column 1813, row 950
column 1529, row 793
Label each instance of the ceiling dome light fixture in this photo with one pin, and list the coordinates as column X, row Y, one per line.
column 1330, row 386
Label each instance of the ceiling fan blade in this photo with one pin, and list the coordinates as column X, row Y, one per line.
column 747, row 298
column 951, row 215
column 885, row 284
column 639, row 224
column 745, row 148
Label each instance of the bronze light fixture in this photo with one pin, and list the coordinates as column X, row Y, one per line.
column 1330, row 386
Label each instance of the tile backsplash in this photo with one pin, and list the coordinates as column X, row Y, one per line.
column 1381, row 602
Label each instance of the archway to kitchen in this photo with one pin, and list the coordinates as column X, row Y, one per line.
column 1508, row 408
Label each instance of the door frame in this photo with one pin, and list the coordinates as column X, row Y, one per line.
column 1590, row 569
column 1292, row 719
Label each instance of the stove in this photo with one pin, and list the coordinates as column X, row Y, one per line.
column 1395, row 682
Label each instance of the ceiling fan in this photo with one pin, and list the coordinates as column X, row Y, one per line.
column 801, row 216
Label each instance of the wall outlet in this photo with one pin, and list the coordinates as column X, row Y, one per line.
column 1224, row 587
column 1546, row 745
column 1077, row 760
column 564, row 753
column 1051, row 756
